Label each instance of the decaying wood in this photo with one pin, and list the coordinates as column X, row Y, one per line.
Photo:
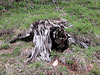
column 47, row 35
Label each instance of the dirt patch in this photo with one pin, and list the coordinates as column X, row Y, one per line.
column 8, row 49
column 9, row 31
column 76, row 63
column 4, row 51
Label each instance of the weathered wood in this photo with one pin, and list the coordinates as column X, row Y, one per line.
column 46, row 35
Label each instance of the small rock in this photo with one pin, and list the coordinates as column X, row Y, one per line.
column 55, row 63
column 20, row 71
column 12, row 58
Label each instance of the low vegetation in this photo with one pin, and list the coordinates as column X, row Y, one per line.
column 4, row 46
column 84, row 15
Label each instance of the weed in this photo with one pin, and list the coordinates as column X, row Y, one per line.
column 70, row 62
column 53, row 54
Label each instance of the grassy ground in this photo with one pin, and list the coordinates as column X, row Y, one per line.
column 83, row 14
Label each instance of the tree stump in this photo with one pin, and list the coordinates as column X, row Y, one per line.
column 46, row 35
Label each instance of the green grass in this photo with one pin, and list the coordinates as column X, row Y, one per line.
column 63, row 70
column 4, row 46
column 37, row 65
column 83, row 18
column 16, row 52
column 95, row 70
column 84, row 15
